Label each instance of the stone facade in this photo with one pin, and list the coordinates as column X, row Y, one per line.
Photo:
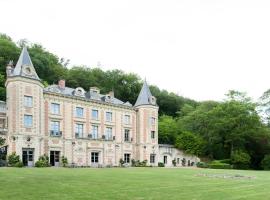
column 86, row 127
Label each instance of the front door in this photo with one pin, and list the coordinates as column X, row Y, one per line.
column 28, row 157
column 94, row 158
column 54, row 158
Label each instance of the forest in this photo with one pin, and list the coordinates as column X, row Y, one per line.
column 235, row 129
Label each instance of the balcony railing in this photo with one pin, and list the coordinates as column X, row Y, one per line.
column 3, row 131
column 56, row 133
column 79, row 135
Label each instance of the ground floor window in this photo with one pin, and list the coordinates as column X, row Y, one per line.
column 165, row 159
column 127, row 158
column 152, row 158
column 94, row 157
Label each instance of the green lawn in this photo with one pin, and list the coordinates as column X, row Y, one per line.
column 130, row 183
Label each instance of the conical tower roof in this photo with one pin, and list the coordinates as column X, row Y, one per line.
column 24, row 66
column 145, row 96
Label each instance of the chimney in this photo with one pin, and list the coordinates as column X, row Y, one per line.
column 111, row 94
column 62, row 84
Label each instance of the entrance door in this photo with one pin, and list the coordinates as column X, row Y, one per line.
column 54, row 158
column 165, row 159
column 94, row 158
column 28, row 157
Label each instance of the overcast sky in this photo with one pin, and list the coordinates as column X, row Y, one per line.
column 198, row 49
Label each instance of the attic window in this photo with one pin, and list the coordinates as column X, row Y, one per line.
column 79, row 91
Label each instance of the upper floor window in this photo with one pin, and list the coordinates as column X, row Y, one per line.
column 94, row 131
column 153, row 121
column 127, row 135
column 55, row 108
column 108, row 116
column 28, row 120
column 94, row 114
column 127, row 119
column 55, row 126
column 28, row 101
column 79, row 112
column 108, row 135
column 153, row 133
column 79, row 130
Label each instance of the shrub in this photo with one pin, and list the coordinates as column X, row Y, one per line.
column 218, row 165
column 121, row 161
column 183, row 162
column 64, row 161
column 160, row 164
column 174, row 162
column 43, row 161
column 202, row 165
column 227, row 161
column 18, row 164
column 240, row 159
column 13, row 159
column 266, row 162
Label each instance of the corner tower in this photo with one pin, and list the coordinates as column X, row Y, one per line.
column 147, row 126
column 25, row 109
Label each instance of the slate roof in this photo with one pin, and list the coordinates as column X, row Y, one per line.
column 145, row 95
column 71, row 92
column 24, row 60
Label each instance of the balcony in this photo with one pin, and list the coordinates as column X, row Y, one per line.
column 3, row 131
column 94, row 137
column 55, row 133
column 128, row 139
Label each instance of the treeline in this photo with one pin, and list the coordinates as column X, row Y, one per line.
column 51, row 68
column 232, row 129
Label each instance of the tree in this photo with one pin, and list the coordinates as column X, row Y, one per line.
column 167, row 130
column 190, row 143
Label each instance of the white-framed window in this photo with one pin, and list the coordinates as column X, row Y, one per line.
column 55, row 126
column 153, row 120
column 79, row 130
column 108, row 135
column 94, row 131
column 127, row 119
column 152, row 158
column 153, row 134
column 109, row 116
column 28, row 101
column 127, row 157
column 28, row 120
column 127, row 135
column 94, row 157
column 55, row 108
column 79, row 112
column 95, row 114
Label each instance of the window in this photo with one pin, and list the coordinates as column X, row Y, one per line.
column 127, row 135
column 95, row 114
column 79, row 130
column 28, row 120
column 178, row 160
column 153, row 121
column 55, row 127
column 28, row 101
column 127, row 119
column 55, row 108
column 127, row 158
column 152, row 158
column 108, row 135
column 165, row 159
column 153, row 134
column 94, row 131
column 108, row 116
column 94, row 157
column 79, row 112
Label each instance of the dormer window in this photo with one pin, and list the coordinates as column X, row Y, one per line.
column 79, row 91
column 153, row 100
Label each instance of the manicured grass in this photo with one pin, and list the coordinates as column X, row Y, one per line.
column 130, row 183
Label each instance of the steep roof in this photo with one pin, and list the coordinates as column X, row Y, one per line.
column 145, row 96
column 24, row 66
